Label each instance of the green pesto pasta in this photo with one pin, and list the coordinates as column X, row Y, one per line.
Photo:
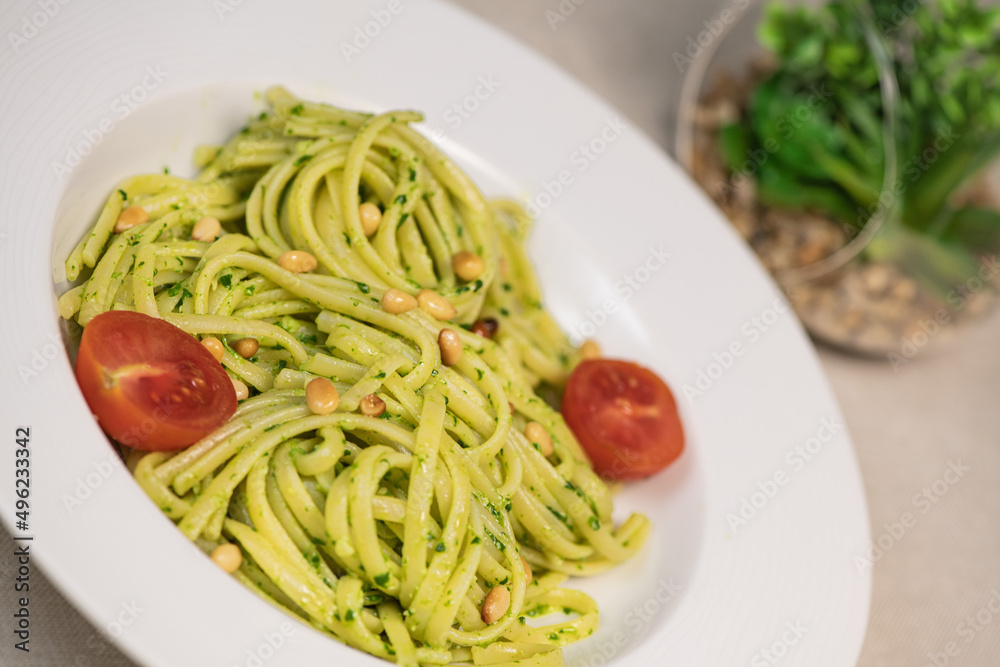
column 387, row 531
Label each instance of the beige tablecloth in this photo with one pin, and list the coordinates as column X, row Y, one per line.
column 934, row 581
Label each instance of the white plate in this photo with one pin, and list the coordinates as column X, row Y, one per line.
column 704, row 592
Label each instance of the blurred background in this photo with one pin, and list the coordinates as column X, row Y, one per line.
column 936, row 580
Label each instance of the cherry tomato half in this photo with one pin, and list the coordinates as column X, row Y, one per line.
column 625, row 418
column 151, row 385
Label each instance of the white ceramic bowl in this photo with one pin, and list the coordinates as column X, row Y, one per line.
column 612, row 208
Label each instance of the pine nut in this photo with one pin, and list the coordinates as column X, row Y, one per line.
column 451, row 347
column 495, row 605
column 486, row 327
column 228, row 557
column 372, row 406
column 527, row 569
column 435, row 305
column 396, row 302
column 590, row 350
column 215, row 346
column 242, row 391
column 468, row 265
column 207, row 229
column 297, row 261
column 130, row 217
column 370, row 216
column 246, row 347
column 537, row 435
column 321, row 396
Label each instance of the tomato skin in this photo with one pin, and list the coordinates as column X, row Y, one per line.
column 624, row 416
column 151, row 385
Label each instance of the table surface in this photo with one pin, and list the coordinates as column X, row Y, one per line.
column 908, row 425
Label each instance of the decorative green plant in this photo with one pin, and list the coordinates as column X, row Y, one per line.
column 819, row 117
